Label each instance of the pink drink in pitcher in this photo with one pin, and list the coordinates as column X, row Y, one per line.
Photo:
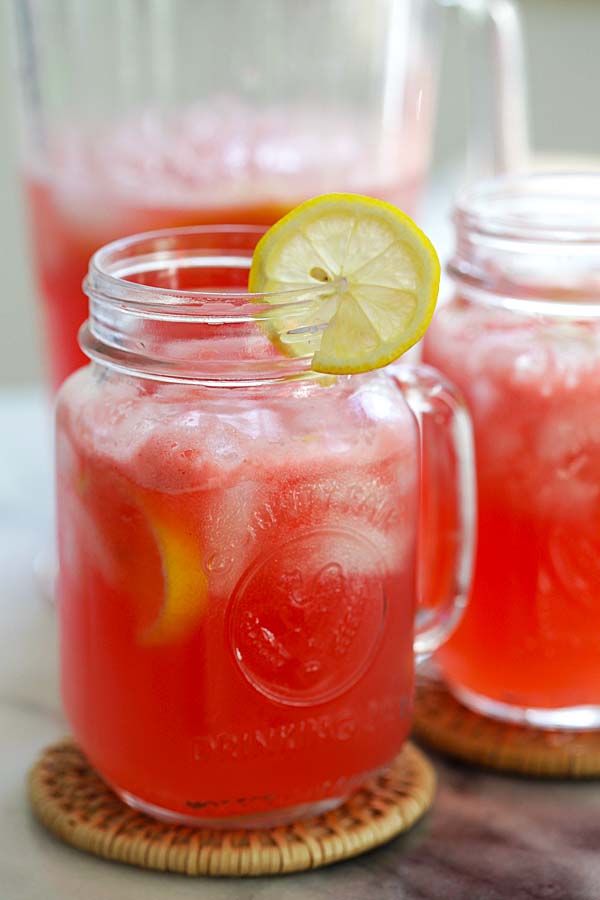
column 208, row 169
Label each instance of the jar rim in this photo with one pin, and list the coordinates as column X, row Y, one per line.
column 541, row 207
column 144, row 320
column 109, row 268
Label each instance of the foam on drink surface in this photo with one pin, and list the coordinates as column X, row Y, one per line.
column 532, row 385
column 251, row 469
column 219, row 157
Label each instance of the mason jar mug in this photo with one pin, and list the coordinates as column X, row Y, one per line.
column 239, row 542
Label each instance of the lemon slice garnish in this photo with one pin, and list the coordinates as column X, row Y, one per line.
column 376, row 273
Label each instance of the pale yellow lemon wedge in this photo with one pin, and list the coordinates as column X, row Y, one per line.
column 181, row 595
column 146, row 548
column 378, row 276
column 185, row 585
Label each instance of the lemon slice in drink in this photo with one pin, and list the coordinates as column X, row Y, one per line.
column 185, row 587
column 184, row 595
column 379, row 277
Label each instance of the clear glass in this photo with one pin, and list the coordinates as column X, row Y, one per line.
column 166, row 113
column 238, row 542
column 521, row 338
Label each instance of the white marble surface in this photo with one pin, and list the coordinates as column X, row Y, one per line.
column 487, row 838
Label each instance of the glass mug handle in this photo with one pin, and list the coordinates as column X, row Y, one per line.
column 446, row 449
column 499, row 119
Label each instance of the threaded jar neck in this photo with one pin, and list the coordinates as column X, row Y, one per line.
column 531, row 243
column 173, row 305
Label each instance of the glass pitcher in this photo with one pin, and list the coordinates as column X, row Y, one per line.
column 238, row 542
column 166, row 113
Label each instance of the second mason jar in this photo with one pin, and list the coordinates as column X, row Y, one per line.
column 521, row 337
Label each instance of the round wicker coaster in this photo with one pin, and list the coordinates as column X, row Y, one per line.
column 71, row 800
column 446, row 725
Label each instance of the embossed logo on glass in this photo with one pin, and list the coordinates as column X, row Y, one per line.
column 306, row 618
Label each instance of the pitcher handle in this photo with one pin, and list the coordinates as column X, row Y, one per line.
column 499, row 118
column 446, row 445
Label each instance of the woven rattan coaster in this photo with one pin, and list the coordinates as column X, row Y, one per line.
column 446, row 725
column 71, row 800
